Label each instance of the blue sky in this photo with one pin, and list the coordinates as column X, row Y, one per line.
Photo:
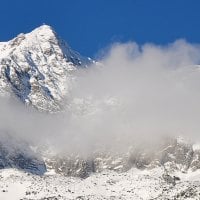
column 90, row 25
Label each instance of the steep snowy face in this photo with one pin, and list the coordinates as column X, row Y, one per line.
column 38, row 68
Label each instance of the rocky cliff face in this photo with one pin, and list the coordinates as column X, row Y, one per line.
column 174, row 155
column 37, row 67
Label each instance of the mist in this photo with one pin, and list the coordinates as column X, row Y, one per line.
column 133, row 93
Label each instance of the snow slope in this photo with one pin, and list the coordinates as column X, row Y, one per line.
column 134, row 184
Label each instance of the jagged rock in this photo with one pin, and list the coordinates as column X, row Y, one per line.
column 71, row 165
column 195, row 162
column 173, row 155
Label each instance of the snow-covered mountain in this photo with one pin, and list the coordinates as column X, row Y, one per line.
column 38, row 69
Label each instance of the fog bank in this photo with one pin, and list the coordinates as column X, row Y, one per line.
column 134, row 92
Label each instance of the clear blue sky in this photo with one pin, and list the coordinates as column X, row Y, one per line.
column 89, row 25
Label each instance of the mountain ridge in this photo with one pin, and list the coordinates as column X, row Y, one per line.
column 38, row 68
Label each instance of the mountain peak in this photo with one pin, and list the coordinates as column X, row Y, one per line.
column 43, row 33
column 37, row 67
column 44, row 30
column 45, row 26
